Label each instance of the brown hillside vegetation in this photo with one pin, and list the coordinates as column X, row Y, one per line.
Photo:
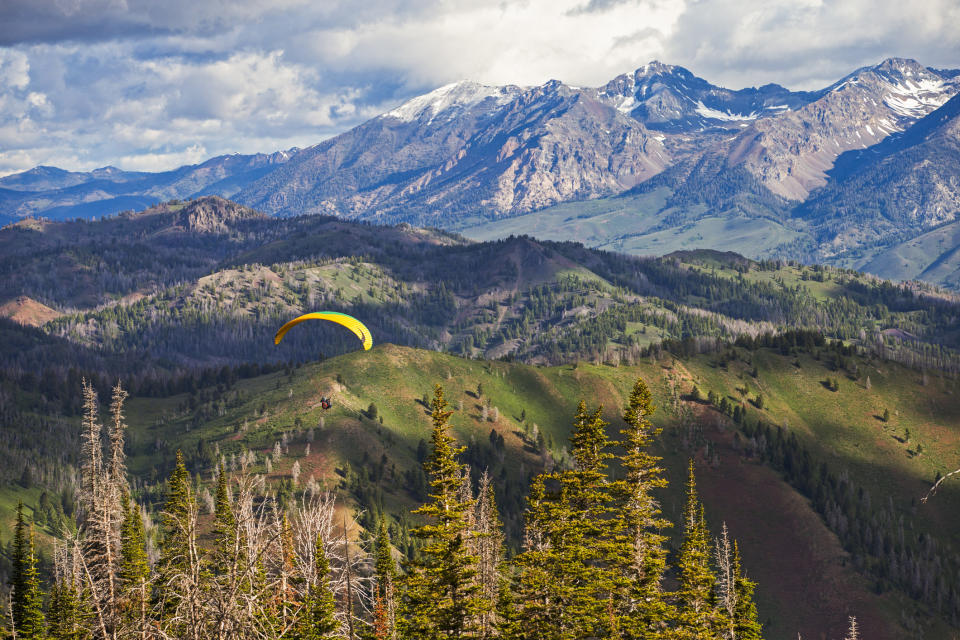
column 793, row 556
column 27, row 311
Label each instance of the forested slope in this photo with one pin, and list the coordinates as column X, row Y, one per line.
column 819, row 403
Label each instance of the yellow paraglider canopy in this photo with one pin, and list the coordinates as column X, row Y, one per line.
column 333, row 316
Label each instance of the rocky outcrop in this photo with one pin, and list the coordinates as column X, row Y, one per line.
column 212, row 214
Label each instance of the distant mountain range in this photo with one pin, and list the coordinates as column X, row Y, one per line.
column 57, row 194
column 653, row 161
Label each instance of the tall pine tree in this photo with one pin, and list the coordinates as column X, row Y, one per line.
column 698, row 615
column 224, row 524
column 534, row 609
column 589, row 536
column 134, row 575
column 176, row 510
column 643, row 611
column 442, row 598
column 568, row 570
column 181, row 573
column 26, row 599
column 385, row 572
column 66, row 617
column 746, row 626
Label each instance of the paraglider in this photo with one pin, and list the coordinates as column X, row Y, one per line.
column 349, row 322
column 333, row 316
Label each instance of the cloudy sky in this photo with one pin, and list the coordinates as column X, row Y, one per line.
column 150, row 85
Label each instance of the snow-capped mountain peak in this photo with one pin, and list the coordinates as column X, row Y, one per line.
column 452, row 99
column 906, row 87
column 670, row 98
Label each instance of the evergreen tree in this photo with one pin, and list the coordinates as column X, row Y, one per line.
column 643, row 558
column 180, row 573
column 224, row 523
column 508, row 614
column 26, row 599
column 745, row 623
column 175, row 511
column 698, row 616
column 569, row 567
column 65, row 615
column 442, row 597
column 537, row 585
column 317, row 619
column 385, row 571
column 590, row 535
column 384, row 567
column 134, row 571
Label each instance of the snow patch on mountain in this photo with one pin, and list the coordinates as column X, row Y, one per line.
column 627, row 105
column 715, row 114
column 451, row 99
column 915, row 99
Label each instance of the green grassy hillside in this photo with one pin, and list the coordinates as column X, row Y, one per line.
column 645, row 224
column 932, row 257
column 809, row 578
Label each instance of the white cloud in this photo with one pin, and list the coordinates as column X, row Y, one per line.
column 808, row 44
column 511, row 43
column 14, row 69
column 194, row 154
column 141, row 84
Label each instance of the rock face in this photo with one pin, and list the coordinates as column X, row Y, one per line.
column 671, row 99
column 468, row 149
column 792, row 152
column 212, row 214
column 905, row 185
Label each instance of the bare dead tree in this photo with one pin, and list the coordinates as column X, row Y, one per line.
column 726, row 579
column 234, row 582
column 251, row 586
column 102, row 488
column 854, row 631
column 13, row 625
column 312, row 519
column 91, row 449
column 937, row 484
column 487, row 539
